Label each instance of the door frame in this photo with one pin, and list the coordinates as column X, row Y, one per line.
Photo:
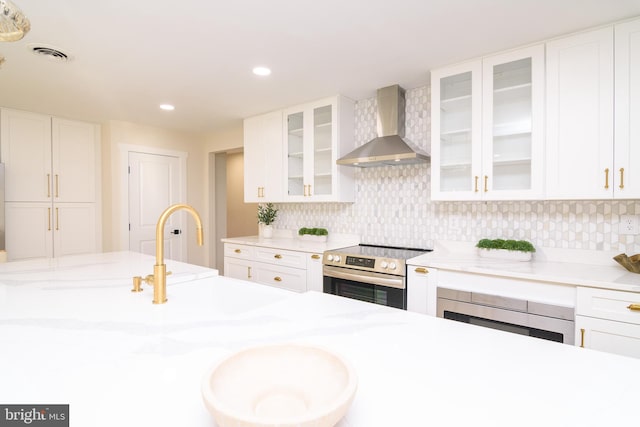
column 124, row 150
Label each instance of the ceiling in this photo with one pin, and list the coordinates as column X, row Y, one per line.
column 129, row 56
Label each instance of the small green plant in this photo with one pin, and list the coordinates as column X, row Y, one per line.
column 313, row 231
column 267, row 213
column 510, row 245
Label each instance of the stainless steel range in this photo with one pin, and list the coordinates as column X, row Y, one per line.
column 369, row 273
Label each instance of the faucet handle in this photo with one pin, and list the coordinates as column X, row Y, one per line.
column 148, row 279
column 137, row 284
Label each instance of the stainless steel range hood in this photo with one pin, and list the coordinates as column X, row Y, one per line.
column 390, row 147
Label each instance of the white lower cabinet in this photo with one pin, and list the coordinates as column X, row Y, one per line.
column 40, row 229
column 608, row 320
column 421, row 289
column 293, row 270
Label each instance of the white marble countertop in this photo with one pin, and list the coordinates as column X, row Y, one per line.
column 72, row 332
column 579, row 268
column 294, row 243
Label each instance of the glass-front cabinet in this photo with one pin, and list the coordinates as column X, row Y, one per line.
column 317, row 134
column 487, row 128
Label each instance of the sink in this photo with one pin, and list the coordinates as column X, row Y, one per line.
column 282, row 385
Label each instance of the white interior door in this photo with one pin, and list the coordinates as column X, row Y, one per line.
column 154, row 185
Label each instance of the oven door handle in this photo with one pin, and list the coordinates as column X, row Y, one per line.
column 364, row 277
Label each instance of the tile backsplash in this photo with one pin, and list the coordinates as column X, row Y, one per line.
column 393, row 204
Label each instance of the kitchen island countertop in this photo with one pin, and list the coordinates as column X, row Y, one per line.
column 72, row 332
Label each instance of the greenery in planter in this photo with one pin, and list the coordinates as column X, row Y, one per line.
column 510, row 245
column 267, row 213
column 313, row 231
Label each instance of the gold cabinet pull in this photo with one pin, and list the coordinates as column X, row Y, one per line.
column 49, row 219
column 582, row 337
column 57, row 179
column 621, row 178
column 486, row 183
column 57, row 220
column 48, row 185
column 259, row 192
column 309, row 190
column 248, row 272
column 278, row 279
column 634, row 307
column 277, row 256
column 421, row 270
column 606, row 179
column 315, row 256
column 237, row 251
column 476, row 183
column 306, row 190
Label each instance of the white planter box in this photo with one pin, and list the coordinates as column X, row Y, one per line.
column 313, row 238
column 504, row 254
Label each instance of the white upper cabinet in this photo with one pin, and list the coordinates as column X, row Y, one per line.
column 513, row 125
column 487, row 128
column 316, row 135
column 456, row 131
column 73, row 160
column 626, row 173
column 579, row 152
column 48, row 159
column 263, row 158
column 26, row 153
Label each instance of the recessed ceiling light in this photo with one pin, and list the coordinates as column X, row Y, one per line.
column 261, row 71
column 167, row 107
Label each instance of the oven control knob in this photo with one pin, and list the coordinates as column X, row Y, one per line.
column 336, row 258
column 383, row 264
column 392, row 266
column 329, row 257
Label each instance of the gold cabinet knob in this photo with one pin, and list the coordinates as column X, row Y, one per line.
column 237, row 251
column 634, row 307
column 421, row 270
column 278, row 279
column 277, row 256
column 315, row 256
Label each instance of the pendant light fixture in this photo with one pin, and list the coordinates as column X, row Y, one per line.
column 13, row 24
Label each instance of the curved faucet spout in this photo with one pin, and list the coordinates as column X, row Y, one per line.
column 160, row 269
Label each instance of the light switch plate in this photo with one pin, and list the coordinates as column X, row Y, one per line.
column 629, row 224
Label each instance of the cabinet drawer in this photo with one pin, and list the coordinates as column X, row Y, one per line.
column 293, row 279
column 238, row 251
column 608, row 304
column 281, row 257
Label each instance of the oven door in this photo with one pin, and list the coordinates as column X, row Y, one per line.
column 384, row 289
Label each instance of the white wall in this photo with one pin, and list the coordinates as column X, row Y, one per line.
column 116, row 133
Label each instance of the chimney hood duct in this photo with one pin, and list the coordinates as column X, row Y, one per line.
column 390, row 147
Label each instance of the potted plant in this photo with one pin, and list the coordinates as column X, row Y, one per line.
column 519, row 250
column 267, row 214
column 317, row 234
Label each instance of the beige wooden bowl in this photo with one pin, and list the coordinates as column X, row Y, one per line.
column 282, row 385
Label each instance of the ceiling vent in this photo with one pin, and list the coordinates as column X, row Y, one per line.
column 49, row 52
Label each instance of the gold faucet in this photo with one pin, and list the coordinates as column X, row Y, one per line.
column 159, row 277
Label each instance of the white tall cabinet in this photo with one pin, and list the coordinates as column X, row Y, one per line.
column 263, row 158
column 52, row 185
column 487, row 128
